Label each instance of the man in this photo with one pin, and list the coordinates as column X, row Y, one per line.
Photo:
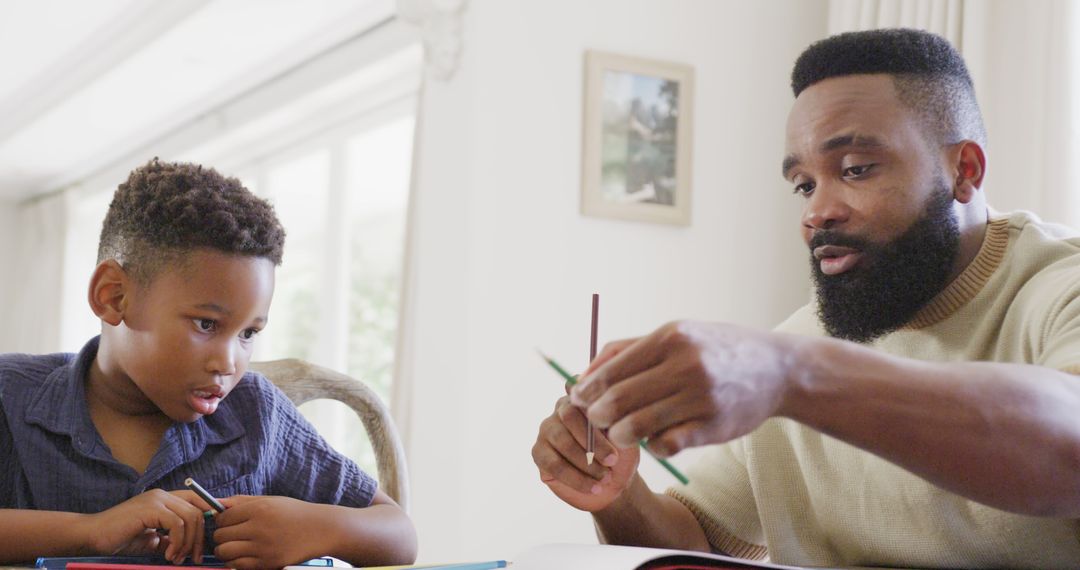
column 922, row 411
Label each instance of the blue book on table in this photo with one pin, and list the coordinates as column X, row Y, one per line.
column 59, row 563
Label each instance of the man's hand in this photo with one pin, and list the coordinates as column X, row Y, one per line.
column 559, row 453
column 130, row 527
column 686, row 384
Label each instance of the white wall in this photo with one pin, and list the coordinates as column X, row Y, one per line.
column 505, row 263
column 8, row 272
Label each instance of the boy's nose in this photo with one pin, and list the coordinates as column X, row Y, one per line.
column 222, row 361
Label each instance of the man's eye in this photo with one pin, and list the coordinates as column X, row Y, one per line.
column 205, row 325
column 804, row 189
column 857, row 170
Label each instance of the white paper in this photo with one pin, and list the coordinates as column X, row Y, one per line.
column 607, row 557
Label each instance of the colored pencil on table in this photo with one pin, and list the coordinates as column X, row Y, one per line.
column 489, row 565
column 571, row 380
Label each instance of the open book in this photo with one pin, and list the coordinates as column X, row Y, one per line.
column 605, row 557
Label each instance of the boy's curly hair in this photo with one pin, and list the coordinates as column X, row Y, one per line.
column 167, row 209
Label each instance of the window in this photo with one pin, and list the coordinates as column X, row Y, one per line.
column 336, row 166
column 343, row 203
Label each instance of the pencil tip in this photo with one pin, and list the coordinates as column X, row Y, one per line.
column 589, row 457
column 541, row 353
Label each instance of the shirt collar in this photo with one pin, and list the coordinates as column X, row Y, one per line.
column 60, row 406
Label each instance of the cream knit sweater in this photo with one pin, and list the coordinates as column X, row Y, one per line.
column 797, row 496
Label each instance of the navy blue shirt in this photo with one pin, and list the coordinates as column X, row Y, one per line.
column 256, row 443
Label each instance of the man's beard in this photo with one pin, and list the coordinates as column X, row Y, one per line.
column 893, row 280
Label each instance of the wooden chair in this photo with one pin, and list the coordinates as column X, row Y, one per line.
column 302, row 381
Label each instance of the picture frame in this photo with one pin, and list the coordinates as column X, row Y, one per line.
column 636, row 142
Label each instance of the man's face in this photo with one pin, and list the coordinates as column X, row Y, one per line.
column 188, row 335
column 878, row 208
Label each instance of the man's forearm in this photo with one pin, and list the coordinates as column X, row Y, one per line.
column 1005, row 435
column 643, row 518
column 26, row 535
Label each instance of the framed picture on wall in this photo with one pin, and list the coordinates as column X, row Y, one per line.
column 637, row 133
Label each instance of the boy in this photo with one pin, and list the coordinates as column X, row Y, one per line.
column 94, row 447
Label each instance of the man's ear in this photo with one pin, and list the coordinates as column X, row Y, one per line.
column 968, row 168
column 110, row 287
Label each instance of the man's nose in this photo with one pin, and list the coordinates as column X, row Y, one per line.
column 825, row 209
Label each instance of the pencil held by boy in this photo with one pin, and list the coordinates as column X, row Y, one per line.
column 95, row 447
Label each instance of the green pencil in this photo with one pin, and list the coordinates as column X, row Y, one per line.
column 571, row 380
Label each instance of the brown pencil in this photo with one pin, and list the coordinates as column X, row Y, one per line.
column 590, row 443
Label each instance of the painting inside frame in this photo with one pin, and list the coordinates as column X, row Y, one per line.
column 637, row 138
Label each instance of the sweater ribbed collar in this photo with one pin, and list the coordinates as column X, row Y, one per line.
column 970, row 281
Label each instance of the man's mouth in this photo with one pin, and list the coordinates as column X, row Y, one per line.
column 836, row 259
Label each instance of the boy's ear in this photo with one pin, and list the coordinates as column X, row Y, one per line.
column 110, row 287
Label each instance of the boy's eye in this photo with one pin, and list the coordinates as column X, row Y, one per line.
column 205, row 325
column 249, row 334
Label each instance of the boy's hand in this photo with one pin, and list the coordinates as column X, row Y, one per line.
column 131, row 527
column 269, row 532
column 559, row 453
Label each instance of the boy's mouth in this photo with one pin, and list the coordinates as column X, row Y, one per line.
column 205, row 400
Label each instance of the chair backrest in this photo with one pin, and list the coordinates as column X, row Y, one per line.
column 302, row 381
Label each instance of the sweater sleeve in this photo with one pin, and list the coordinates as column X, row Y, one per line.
column 1058, row 344
column 721, row 498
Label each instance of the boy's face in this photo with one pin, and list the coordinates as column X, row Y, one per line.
column 187, row 336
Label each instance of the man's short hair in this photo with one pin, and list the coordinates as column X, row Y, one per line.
column 165, row 210
column 929, row 74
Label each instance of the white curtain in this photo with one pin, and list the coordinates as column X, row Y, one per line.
column 33, row 323
column 943, row 17
column 401, row 390
column 1056, row 122
column 1024, row 58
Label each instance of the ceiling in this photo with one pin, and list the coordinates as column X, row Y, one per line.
column 84, row 83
